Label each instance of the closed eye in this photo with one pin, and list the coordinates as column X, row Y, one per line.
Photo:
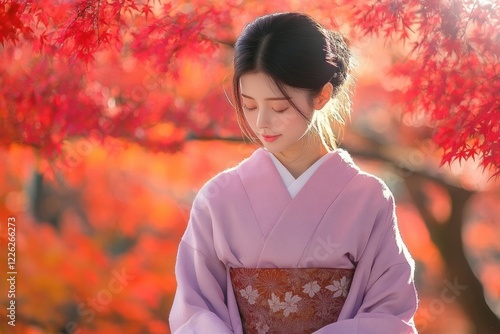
column 248, row 108
column 281, row 110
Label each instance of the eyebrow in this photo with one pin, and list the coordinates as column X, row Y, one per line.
column 269, row 98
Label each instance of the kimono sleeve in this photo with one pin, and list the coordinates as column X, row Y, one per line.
column 389, row 299
column 199, row 304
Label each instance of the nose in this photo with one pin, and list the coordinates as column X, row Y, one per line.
column 263, row 119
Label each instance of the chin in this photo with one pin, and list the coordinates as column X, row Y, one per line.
column 273, row 150
column 269, row 147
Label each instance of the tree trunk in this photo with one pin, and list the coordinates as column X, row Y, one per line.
column 461, row 281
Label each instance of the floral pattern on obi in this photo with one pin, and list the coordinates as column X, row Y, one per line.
column 295, row 300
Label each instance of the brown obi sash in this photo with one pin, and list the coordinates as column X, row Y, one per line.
column 295, row 300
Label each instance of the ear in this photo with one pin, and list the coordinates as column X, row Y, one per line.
column 324, row 96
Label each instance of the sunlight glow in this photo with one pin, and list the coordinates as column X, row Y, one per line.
column 488, row 2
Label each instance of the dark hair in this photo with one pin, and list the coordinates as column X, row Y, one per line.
column 294, row 50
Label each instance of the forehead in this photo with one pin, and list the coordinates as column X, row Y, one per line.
column 256, row 82
column 261, row 85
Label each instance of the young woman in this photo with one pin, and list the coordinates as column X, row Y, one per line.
column 295, row 239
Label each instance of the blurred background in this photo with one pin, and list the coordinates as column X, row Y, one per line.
column 114, row 113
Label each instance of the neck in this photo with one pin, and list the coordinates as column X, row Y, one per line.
column 298, row 162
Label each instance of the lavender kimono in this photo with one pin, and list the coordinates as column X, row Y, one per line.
column 342, row 218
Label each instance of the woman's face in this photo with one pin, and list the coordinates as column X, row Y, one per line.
column 277, row 124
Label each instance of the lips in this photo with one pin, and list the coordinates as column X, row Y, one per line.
column 269, row 139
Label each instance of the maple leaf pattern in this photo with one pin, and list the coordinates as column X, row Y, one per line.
column 339, row 287
column 311, row 288
column 290, row 303
column 262, row 328
column 249, row 294
column 275, row 303
column 294, row 300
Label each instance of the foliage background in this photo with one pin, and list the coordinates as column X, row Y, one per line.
column 114, row 113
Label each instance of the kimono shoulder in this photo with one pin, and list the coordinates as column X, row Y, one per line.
column 364, row 182
column 219, row 187
column 213, row 208
column 225, row 184
column 213, row 198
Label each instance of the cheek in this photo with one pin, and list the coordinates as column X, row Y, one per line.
column 289, row 120
column 250, row 119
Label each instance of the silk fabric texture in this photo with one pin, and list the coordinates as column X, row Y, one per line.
column 341, row 218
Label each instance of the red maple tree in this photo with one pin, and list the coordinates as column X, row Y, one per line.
column 451, row 67
column 74, row 74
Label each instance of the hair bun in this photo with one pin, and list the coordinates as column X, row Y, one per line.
column 339, row 56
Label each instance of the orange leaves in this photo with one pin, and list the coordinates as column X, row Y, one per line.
column 175, row 34
column 12, row 27
column 44, row 114
column 452, row 70
column 417, row 238
column 82, row 80
column 481, row 240
column 91, row 26
column 146, row 9
column 80, row 86
column 108, row 266
column 392, row 19
column 455, row 43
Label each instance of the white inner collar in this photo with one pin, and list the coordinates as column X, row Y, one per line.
column 294, row 185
